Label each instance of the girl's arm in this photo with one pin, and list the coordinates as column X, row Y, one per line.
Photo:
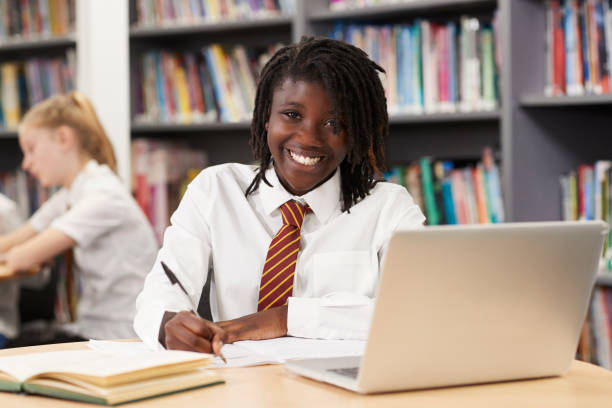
column 38, row 249
column 18, row 236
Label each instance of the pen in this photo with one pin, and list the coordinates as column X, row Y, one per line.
column 174, row 280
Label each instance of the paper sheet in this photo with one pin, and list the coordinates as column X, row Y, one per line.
column 251, row 353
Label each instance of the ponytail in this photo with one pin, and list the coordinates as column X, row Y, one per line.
column 76, row 111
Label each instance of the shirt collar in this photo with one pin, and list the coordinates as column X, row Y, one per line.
column 323, row 200
column 90, row 167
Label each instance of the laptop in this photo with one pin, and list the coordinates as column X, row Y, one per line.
column 472, row 304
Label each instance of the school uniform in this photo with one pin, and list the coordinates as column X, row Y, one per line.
column 9, row 289
column 115, row 248
column 217, row 229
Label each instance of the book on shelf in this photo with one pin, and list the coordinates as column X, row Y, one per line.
column 30, row 81
column 595, row 343
column 36, row 19
column 181, row 12
column 585, row 195
column 161, row 172
column 432, row 67
column 103, row 377
column 452, row 192
column 215, row 84
column 578, row 40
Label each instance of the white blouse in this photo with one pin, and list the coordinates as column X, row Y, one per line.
column 216, row 228
column 115, row 248
column 9, row 289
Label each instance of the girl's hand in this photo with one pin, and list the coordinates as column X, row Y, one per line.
column 186, row 331
column 17, row 261
column 267, row 324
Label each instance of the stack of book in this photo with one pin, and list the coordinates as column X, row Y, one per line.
column 28, row 82
column 431, row 66
column 167, row 12
column 217, row 84
column 578, row 41
column 32, row 19
column 161, row 172
column 448, row 194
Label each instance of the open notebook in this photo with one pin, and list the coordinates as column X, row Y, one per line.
column 105, row 378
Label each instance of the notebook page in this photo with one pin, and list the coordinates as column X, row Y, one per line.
column 90, row 362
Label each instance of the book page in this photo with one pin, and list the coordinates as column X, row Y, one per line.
column 92, row 363
column 279, row 350
column 250, row 352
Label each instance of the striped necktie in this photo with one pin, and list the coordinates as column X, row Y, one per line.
column 277, row 277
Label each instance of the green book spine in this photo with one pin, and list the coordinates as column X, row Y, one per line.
column 433, row 217
column 10, row 386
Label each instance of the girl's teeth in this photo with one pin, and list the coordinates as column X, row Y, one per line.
column 308, row 161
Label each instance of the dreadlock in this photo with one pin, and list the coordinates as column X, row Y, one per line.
column 358, row 100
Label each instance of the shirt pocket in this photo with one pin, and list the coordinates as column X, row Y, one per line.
column 344, row 271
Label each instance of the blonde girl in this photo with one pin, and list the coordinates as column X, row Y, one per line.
column 65, row 145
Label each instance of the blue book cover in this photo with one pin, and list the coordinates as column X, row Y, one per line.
column 159, row 78
column 570, row 43
column 400, row 51
column 447, row 194
column 583, row 28
column 224, row 114
column 452, row 62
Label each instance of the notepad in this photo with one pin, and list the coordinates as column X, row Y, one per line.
column 104, row 377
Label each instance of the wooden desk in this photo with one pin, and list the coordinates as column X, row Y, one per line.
column 269, row 386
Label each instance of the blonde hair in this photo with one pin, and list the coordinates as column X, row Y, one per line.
column 76, row 111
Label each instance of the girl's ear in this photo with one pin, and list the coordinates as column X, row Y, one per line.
column 66, row 137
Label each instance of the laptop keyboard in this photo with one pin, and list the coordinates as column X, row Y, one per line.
column 350, row 372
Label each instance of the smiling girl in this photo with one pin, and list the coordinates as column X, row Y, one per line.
column 92, row 214
column 293, row 246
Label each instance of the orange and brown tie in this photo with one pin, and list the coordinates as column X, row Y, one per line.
column 277, row 277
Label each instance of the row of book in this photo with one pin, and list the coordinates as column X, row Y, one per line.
column 168, row 12
column 432, row 66
column 161, row 172
column 452, row 194
column 595, row 344
column 26, row 19
column 578, row 41
column 30, row 81
column 586, row 195
column 217, row 84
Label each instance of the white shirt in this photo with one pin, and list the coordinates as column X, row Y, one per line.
column 217, row 228
column 115, row 248
column 9, row 289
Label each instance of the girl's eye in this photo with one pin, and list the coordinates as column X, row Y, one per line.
column 330, row 123
column 291, row 114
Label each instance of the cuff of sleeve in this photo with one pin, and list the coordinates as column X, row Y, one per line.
column 303, row 316
column 71, row 232
column 147, row 328
column 36, row 222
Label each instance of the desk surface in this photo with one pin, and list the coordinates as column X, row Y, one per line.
column 585, row 385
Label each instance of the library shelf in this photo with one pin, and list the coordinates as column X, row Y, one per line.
column 36, row 43
column 8, row 134
column 171, row 29
column 604, row 279
column 542, row 101
column 484, row 116
column 385, row 11
column 142, row 129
